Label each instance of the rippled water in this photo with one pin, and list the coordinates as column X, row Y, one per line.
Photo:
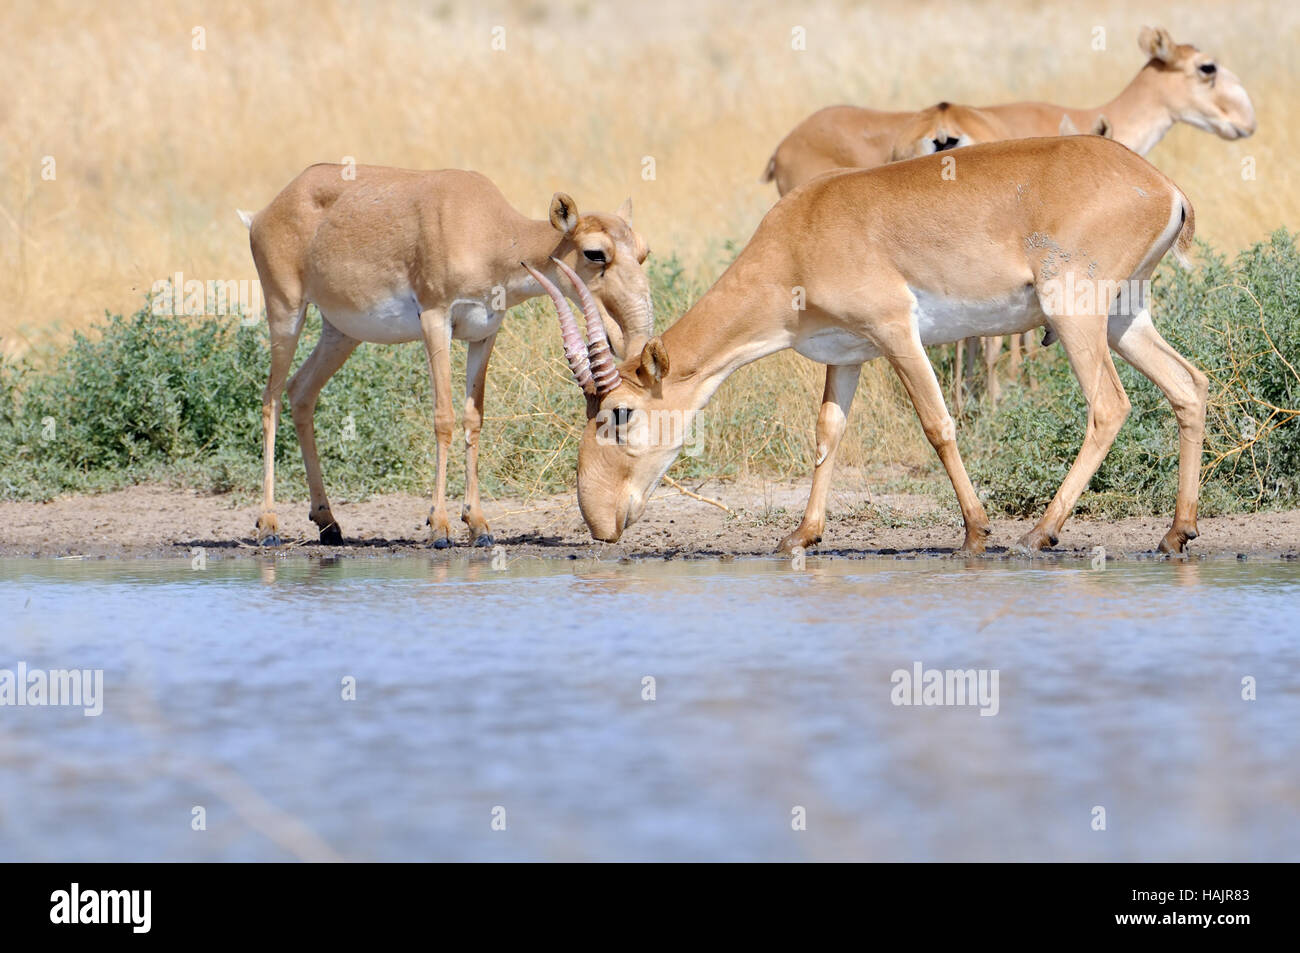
column 523, row 690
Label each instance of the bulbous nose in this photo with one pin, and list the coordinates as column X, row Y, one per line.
column 606, row 526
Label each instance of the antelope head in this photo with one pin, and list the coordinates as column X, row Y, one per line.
column 608, row 259
column 1196, row 89
column 630, row 439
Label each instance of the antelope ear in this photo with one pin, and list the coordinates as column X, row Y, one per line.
column 564, row 213
column 1103, row 128
column 625, row 210
column 1157, row 44
column 1067, row 127
column 654, row 359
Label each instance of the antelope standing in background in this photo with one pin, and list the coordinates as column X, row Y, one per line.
column 885, row 274
column 394, row 255
column 1179, row 83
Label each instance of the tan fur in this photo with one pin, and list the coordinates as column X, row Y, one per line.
column 928, row 130
column 863, row 245
column 1169, row 88
column 446, row 245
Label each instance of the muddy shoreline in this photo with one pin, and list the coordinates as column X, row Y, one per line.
column 163, row 522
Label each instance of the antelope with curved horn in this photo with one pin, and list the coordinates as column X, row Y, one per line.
column 883, row 274
column 393, row 255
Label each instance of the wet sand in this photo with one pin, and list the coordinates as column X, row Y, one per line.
column 153, row 521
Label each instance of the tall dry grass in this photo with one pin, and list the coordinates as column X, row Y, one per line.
column 155, row 143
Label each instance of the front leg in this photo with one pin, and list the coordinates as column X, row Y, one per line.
column 1084, row 340
column 905, row 353
column 436, row 328
column 841, row 384
column 476, row 364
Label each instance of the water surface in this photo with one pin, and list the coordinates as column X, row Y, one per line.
column 523, row 690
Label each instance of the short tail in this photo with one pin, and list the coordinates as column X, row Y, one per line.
column 770, row 172
column 245, row 217
column 1183, row 243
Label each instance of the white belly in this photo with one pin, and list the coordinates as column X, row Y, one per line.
column 835, row 346
column 473, row 320
column 397, row 320
column 393, row 321
column 942, row 320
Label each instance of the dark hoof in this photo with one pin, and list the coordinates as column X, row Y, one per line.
column 331, row 535
column 484, row 541
column 797, row 540
column 1035, row 541
column 442, row 542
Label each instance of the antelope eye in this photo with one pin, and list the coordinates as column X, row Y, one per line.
column 1208, row 69
column 620, row 417
column 594, row 255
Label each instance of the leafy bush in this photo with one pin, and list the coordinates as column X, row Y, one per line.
column 157, row 397
column 163, row 398
column 1240, row 323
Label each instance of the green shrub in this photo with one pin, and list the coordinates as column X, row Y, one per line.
column 151, row 397
column 157, row 397
column 1240, row 323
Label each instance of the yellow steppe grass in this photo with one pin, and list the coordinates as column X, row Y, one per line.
column 155, row 142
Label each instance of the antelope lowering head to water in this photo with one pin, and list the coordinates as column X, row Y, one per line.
column 1179, row 83
column 880, row 272
column 393, row 255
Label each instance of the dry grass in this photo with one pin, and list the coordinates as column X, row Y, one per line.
column 156, row 143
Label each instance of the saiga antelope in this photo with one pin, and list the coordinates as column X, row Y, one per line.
column 392, row 255
column 936, row 129
column 1179, row 83
column 897, row 258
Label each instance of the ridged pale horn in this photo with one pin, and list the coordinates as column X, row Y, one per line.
column 575, row 350
column 603, row 369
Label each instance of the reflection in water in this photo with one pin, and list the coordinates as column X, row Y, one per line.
column 473, row 688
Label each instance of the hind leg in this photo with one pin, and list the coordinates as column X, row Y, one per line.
column 1137, row 341
column 330, row 353
column 992, row 351
column 476, row 364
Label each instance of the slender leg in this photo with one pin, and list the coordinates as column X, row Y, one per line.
column 284, row 318
column 1084, row 340
column 1030, row 345
column 1015, row 357
column 436, row 326
column 1138, row 342
column 992, row 351
column 476, row 365
column 331, row 351
column 837, row 397
column 958, row 372
column 905, row 353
